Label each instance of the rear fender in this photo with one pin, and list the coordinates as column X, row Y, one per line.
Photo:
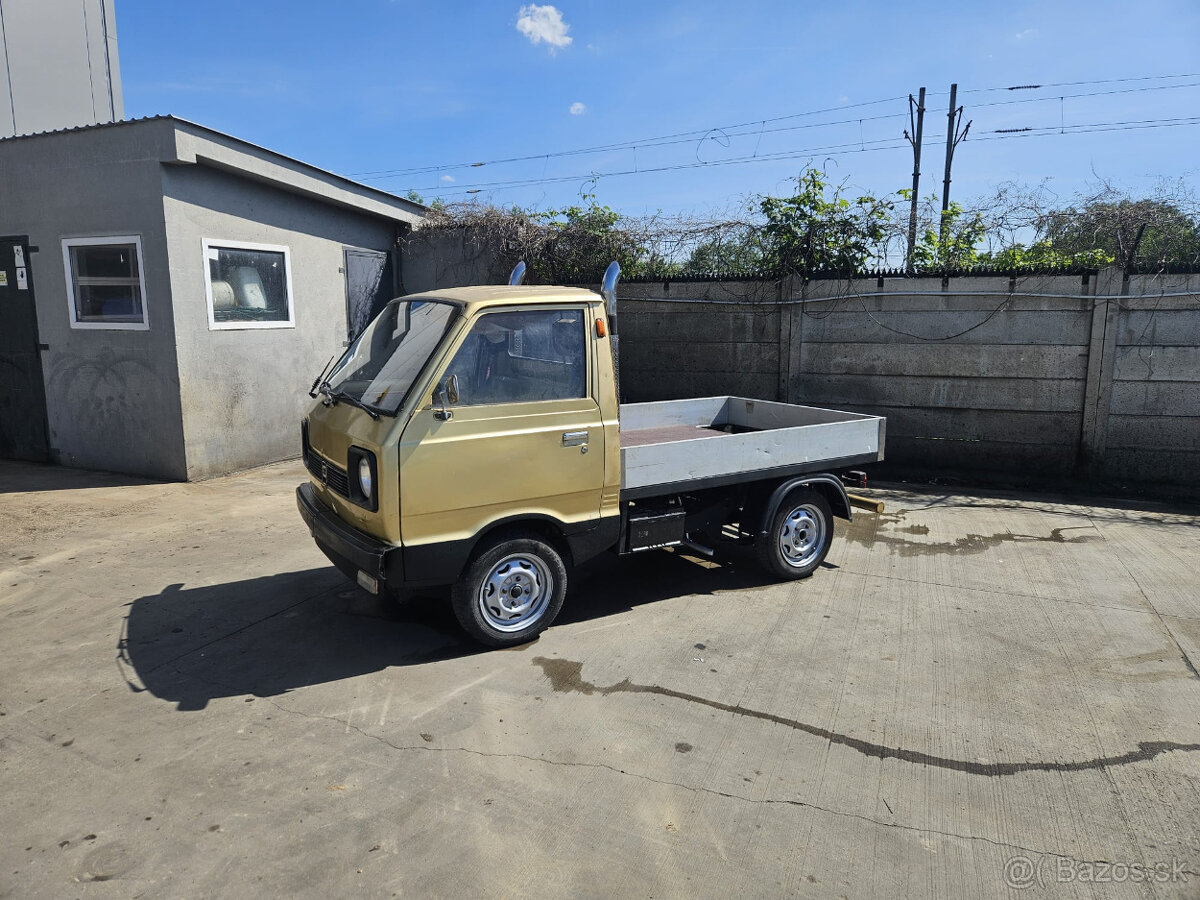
column 829, row 486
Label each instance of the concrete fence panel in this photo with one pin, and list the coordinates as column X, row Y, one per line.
column 1154, row 417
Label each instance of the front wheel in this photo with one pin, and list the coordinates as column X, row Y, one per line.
column 799, row 535
column 511, row 590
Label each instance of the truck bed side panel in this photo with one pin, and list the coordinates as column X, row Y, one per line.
column 763, row 438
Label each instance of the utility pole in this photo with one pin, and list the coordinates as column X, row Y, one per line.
column 953, row 138
column 917, row 123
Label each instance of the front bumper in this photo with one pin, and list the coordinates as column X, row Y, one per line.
column 349, row 549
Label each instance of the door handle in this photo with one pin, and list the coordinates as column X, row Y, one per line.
column 574, row 438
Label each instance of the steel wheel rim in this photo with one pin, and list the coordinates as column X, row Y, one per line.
column 516, row 592
column 801, row 535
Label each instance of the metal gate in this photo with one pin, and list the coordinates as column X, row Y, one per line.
column 22, row 392
column 370, row 284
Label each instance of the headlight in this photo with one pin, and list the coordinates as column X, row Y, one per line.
column 364, row 477
column 361, row 463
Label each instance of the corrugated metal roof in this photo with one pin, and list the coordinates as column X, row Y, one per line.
column 93, row 127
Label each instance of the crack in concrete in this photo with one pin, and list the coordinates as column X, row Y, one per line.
column 696, row 789
column 566, row 677
column 1187, row 660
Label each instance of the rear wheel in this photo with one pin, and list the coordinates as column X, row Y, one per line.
column 512, row 589
column 799, row 535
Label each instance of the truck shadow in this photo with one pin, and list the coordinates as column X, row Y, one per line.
column 264, row 637
column 267, row 636
column 608, row 586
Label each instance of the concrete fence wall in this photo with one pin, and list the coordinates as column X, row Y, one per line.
column 1059, row 375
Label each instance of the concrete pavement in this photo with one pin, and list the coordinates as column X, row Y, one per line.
column 978, row 696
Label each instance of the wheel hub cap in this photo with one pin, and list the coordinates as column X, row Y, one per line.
column 515, row 593
column 801, row 536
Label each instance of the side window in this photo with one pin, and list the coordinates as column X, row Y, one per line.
column 104, row 276
column 522, row 356
column 248, row 285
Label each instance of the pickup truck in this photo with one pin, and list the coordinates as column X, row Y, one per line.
column 473, row 437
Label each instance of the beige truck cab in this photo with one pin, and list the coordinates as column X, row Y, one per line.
column 473, row 437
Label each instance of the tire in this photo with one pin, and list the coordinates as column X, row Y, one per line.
column 799, row 537
column 513, row 570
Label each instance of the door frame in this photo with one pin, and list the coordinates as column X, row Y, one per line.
column 38, row 379
column 347, row 251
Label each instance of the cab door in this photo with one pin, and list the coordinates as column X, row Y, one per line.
column 523, row 437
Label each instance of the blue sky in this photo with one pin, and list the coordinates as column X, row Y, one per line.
column 393, row 86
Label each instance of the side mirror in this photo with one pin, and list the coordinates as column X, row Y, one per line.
column 447, row 393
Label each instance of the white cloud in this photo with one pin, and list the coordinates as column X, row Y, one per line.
column 449, row 179
column 1027, row 33
column 578, row 109
column 543, row 23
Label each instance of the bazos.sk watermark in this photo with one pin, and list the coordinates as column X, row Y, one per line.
column 1022, row 872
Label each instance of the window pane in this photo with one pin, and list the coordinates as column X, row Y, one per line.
column 105, row 282
column 105, row 261
column 517, row 357
column 384, row 361
column 248, row 285
column 108, row 303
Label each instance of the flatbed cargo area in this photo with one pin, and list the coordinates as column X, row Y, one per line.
column 710, row 441
column 667, row 434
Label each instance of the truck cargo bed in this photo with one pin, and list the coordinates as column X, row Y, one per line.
column 676, row 445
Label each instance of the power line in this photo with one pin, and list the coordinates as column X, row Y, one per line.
column 1090, row 128
column 632, row 144
column 1080, row 83
column 731, row 130
column 1159, row 87
column 831, row 150
column 828, row 150
column 722, row 132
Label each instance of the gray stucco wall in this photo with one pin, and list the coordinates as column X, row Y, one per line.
column 112, row 396
column 243, row 392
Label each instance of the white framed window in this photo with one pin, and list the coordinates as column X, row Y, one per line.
column 248, row 285
column 105, row 285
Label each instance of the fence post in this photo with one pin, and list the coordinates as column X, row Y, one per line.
column 784, row 348
column 1101, row 362
column 794, row 312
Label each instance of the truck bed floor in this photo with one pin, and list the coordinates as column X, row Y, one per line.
column 667, row 434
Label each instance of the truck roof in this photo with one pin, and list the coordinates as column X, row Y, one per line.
column 496, row 294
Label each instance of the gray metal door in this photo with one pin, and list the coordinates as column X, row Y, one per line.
column 370, row 284
column 22, row 393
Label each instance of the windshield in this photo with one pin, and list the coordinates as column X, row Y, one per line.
column 379, row 368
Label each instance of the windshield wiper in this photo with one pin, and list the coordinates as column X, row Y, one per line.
column 336, row 396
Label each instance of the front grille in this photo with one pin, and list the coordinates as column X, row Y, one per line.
column 327, row 473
